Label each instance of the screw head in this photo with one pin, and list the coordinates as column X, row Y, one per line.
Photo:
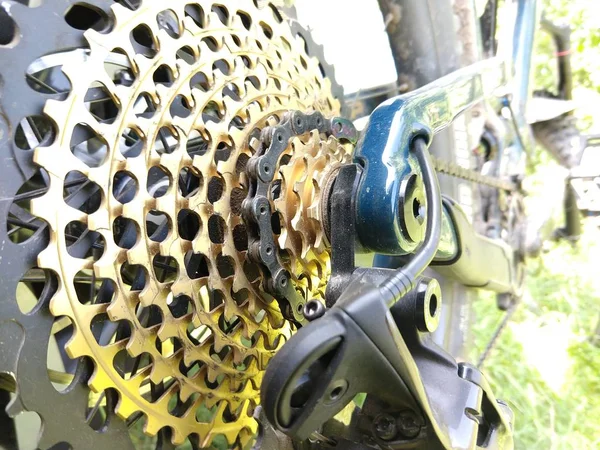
column 385, row 427
column 313, row 309
column 408, row 424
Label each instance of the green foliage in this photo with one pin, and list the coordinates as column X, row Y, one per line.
column 549, row 337
column 545, row 364
column 582, row 16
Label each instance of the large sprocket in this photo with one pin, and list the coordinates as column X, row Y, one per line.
column 145, row 176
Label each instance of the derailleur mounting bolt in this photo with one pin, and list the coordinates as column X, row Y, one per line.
column 412, row 208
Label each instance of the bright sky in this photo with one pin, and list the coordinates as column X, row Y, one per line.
column 352, row 32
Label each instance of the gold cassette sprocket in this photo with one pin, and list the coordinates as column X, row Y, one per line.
column 184, row 87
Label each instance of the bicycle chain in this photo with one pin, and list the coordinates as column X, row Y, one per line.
column 454, row 170
column 457, row 171
column 256, row 208
column 496, row 336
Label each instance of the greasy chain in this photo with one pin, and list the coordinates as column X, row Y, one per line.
column 261, row 169
column 189, row 102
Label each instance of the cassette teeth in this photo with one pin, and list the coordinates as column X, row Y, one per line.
column 181, row 294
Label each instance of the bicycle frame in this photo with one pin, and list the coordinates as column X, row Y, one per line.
column 384, row 154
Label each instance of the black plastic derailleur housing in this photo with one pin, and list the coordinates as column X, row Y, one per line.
column 418, row 396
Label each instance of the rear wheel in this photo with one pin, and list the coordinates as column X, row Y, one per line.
column 561, row 138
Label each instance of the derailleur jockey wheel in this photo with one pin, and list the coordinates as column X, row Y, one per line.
column 127, row 233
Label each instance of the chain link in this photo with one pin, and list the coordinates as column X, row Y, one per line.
column 454, row 170
column 497, row 333
column 257, row 211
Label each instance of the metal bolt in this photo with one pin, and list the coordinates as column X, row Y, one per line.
column 313, row 310
column 385, row 427
column 412, row 208
column 428, row 305
column 408, row 424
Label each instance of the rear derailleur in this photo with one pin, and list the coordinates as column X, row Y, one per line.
column 372, row 347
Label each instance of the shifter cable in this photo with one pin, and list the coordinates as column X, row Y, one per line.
column 396, row 286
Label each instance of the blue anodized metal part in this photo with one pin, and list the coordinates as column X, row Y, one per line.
column 384, row 147
column 526, row 24
column 517, row 45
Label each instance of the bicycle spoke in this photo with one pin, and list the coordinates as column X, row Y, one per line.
column 41, row 83
column 22, row 224
column 94, row 410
